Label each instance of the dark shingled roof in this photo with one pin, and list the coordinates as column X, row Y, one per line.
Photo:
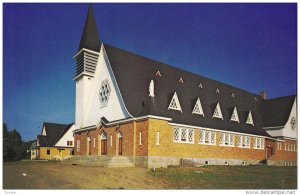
column 276, row 111
column 89, row 38
column 54, row 132
column 134, row 72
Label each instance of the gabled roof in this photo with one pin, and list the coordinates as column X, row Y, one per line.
column 142, row 70
column 276, row 112
column 54, row 132
column 90, row 38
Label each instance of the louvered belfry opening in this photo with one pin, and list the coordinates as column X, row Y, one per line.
column 86, row 62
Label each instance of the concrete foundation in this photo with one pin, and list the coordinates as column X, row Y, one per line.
column 165, row 161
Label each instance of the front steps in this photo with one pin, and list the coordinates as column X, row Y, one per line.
column 100, row 161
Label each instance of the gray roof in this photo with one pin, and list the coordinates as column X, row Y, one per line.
column 142, row 70
column 54, row 132
column 90, row 38
column 276, row 112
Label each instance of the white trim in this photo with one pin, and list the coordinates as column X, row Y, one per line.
column 177, row 103
column 235, row 116
column 273, row 127
column 198, row 103
column 218, row 112
column 84, row 73
column 87, row 50
column 111, row 140
column 218, row 130
column 123, row 121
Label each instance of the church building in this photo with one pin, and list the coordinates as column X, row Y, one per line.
column 159, row 115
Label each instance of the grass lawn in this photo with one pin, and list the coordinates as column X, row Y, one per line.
column 228, row 177
column 55, row 175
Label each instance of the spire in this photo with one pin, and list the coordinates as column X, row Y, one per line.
column 89, row 38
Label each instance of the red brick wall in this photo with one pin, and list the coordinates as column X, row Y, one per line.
column 142, row 126
column 112, row 132
column 283, row 154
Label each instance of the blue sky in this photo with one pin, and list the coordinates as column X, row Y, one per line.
column 250, row 46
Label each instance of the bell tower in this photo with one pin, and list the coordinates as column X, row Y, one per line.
column 86, row 60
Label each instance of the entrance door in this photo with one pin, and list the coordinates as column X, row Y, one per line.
column 120, row 144
column 103, row 147
column 269, row 151
column 90, row 146
column 103, row 143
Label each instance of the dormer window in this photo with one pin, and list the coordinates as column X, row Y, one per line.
column 217, row 112
column 235, row 116
column 158, row 74
column 249, row 119
column 174, row 104
column 180, row 80
column 198, row 108
column 217, row 91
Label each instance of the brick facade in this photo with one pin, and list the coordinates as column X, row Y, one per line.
column 166, row 147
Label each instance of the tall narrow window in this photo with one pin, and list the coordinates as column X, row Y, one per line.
column 183, row 135
column 190, row 135
column 239, row 141
column 78, row 145
column 176, row 134
column 174, row 104
column 94, row 142
column 198, row 108
column 157, row 138
column 207, row 137
column 201, row 137
column 247, row 141
column 217, row 112
column 235, row 116
column 222, row 139
column 111, row 140
column 140, row 138
column 213, row 137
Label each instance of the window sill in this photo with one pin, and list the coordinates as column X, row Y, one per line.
column 248, row 147
column 226, row 145
column 259, row 148
column 210, row 144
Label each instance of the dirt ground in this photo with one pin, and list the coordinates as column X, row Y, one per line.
column 55, row 175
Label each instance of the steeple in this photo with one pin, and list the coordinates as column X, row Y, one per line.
column 90, row 38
